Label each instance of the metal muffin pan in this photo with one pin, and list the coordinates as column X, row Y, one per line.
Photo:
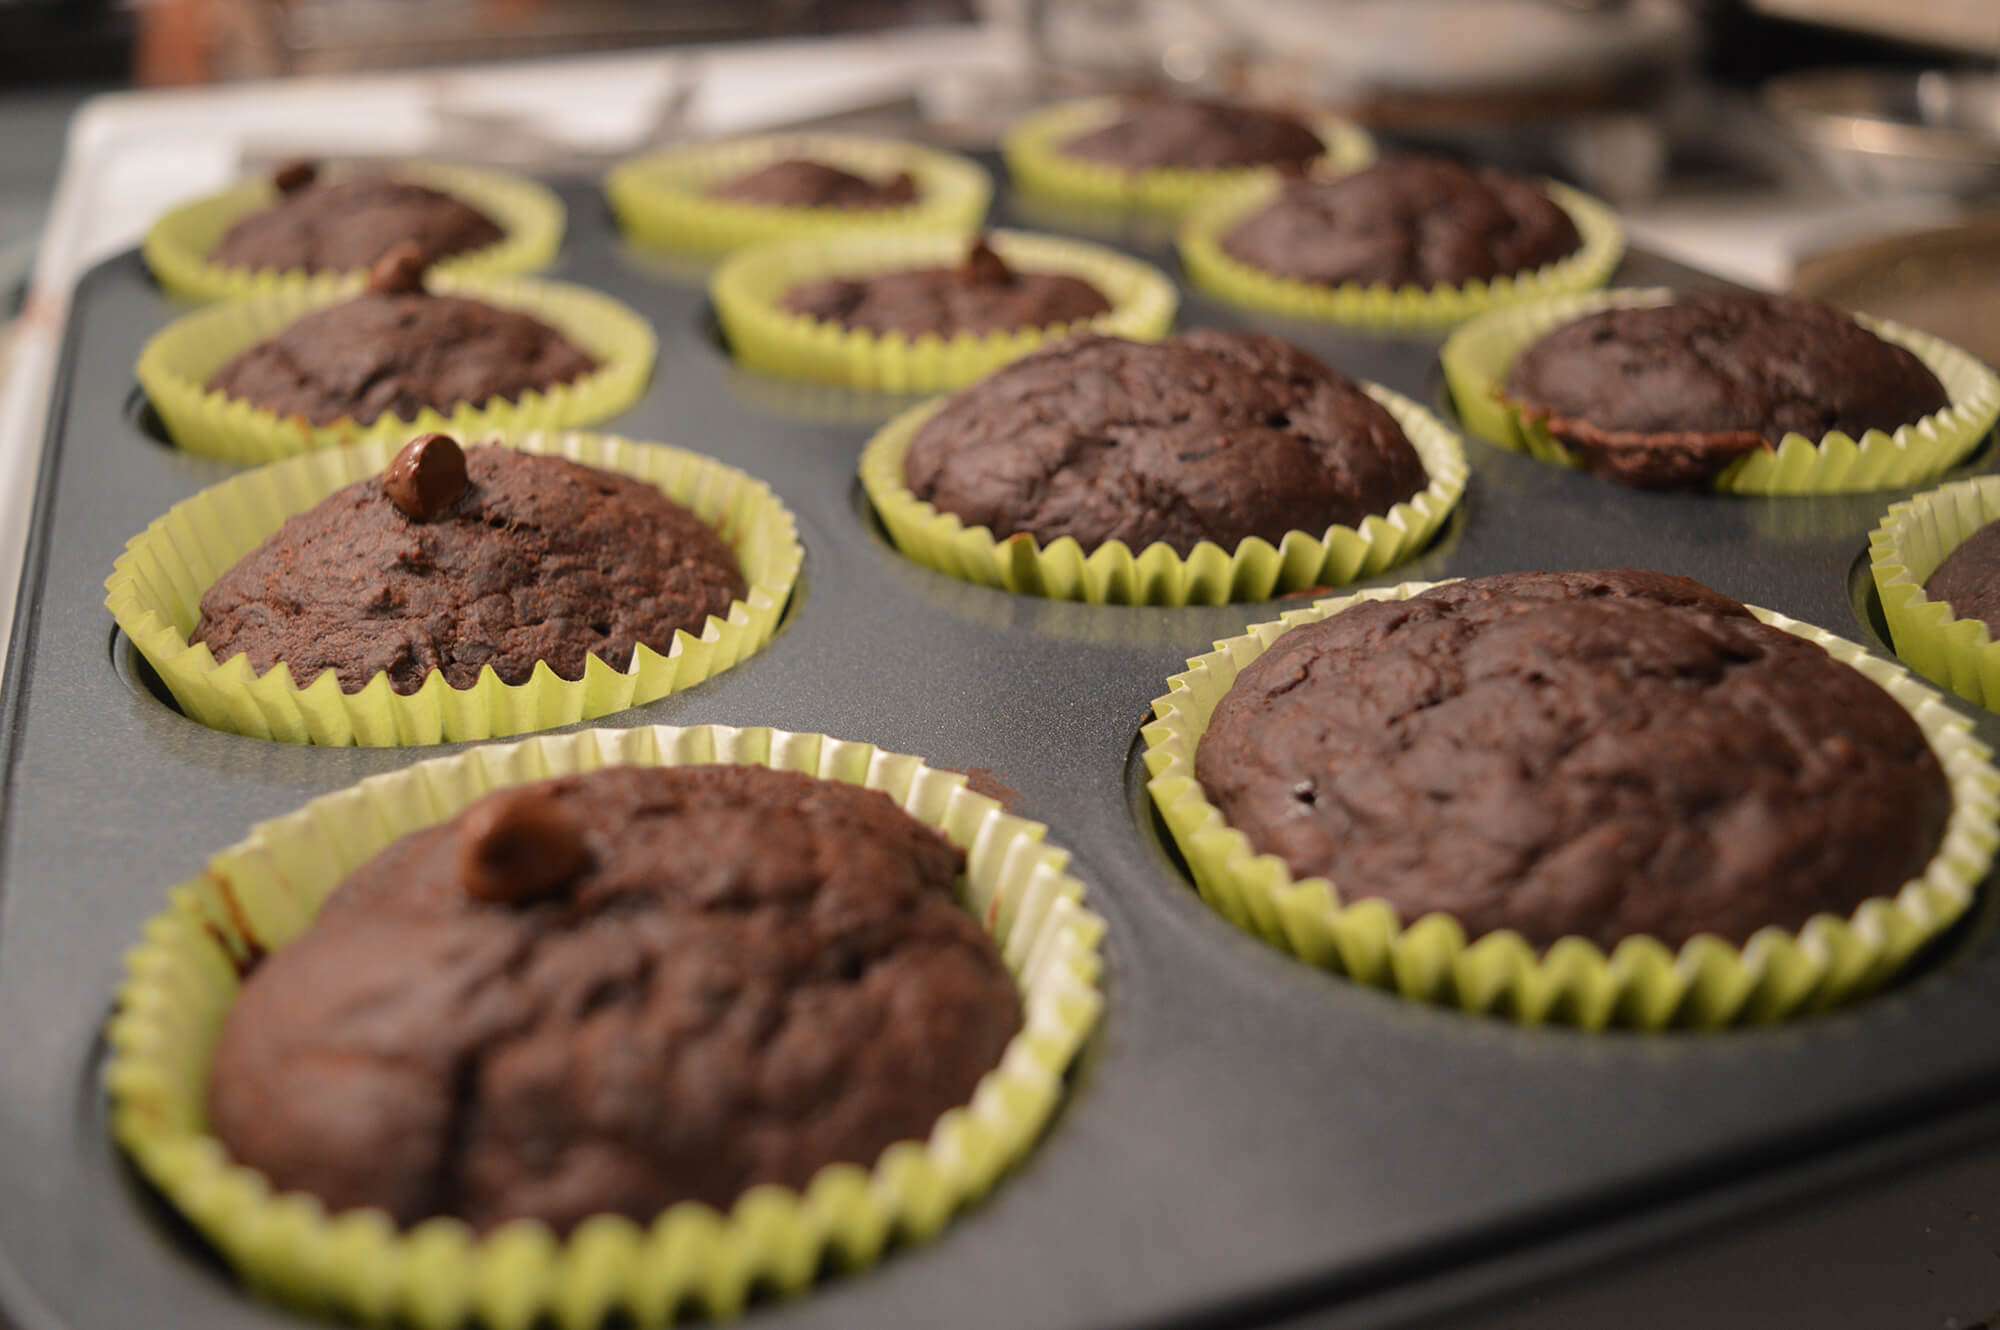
column 1246, row 1139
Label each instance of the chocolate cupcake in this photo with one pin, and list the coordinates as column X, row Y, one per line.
column 318, row 225
column 487, row 1018
column 1600, row 798
column 1969, row 578
column 398, row 350
column 796, row 182
column 456, row 562
column 1406, row 221
column 619, row 1023
column 1151, row 133
column 1211, row 466
column 1209, row 436
column 1935, row 562
column 1669, row 395
column 1597, row 755
column 980, row 295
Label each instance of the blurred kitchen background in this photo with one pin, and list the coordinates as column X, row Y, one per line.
column 1775, row 141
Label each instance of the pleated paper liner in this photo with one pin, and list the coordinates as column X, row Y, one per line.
column 1384, row 308
column 528, row 214
column 176, row 365
column 1158, row 575
column 662, row 199
column 1641, row 983
column 762, row 335
column 1042, row 171
column 262, row 892
column 1478, row 356
column 1913, row 539
column 156, row 586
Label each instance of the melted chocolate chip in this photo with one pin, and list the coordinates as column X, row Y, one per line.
column 400, row 272
column 520, row 846
column 294, row 175
column 982, row 267
column 426, row 477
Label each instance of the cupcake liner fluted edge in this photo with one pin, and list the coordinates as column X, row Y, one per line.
column 1478, row 357
column 1158, row 575
column 662, row 202
column 183, row 976
column 529, row 215
column 748, row 288
column 1386, row 308
column 1912, row 540
column 177, row 363
column 1041, row 170
column 155, row 590
column 1641, row 983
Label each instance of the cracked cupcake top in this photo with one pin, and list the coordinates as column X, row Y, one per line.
column 1670, row 394
column 981, row 295
column 1213, row 435
column 1405, row 221
column 1603, row 754
column 529, row 559
column 612, row 992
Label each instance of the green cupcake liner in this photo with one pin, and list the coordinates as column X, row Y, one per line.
column 262, row 892
column 1384, row 308
column 1913, row 539
column 176, row 365
column 156, row 586
column 1042, row 171
column 1113, row 575
column 1641, row 984
column 662, row 200
column 1477, row 359
column 748, row 287
column 528, row 214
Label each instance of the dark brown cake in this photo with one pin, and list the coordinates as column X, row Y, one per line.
column 1969, row 578
column 609, row 993
column 1189, row 132
column 1671, row 394
column 1406, row 221
column 347, row 224
column 532, row 559
column 1212, row 435
column 1603, row 754
column 396, row 349
column 981, row 295
column 799, row 183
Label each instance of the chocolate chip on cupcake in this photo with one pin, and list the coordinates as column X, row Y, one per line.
column 982, row 294
column 398, row 349
column 1599, row 755
column 611, row 993
column 1210, row 436
column 346, row 224
column 454, row 561
column 1195, row 134
column 1669, row 395
column 1405, row 221
column 796, row 182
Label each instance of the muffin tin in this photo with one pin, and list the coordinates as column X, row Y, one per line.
column 1246, row 1139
